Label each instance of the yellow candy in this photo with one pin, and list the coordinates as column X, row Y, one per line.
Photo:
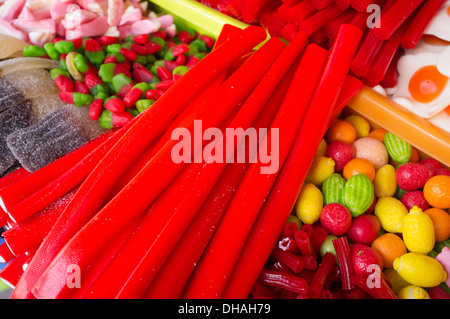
column 390, row 211
column 309, row 204
column 71, row 67
column 322, row 149
column 413, row 292
column 418, row 231
column 361, row 125
column 396, row 281
column 420, row 270
column 385, row 183
column 321, row 168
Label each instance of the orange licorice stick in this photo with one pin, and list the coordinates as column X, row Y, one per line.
column 215, row 266
column 284, row 193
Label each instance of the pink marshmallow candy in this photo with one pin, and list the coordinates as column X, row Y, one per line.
column 144, row 26
column 444, row 260
column 94, row 28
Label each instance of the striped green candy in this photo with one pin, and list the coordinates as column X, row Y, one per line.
column 358, row 194
column 332, row 189
column 399, row 150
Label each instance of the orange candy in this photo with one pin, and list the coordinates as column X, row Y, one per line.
column 441, row 222
column 359, row 166
column 437, row 191
column 378, row 133
column 342, row 131
column 389, row 246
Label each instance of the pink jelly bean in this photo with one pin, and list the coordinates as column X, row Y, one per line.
column 144, row 26
column 444, row 260
column 11, row 9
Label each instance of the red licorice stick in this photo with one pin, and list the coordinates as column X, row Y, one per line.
column 289, row 230
column 358, row 293
column 391, row 77
column 32, row 182
column 142, row 132
column 13, row 177
column 420, row 22
column 367, row 52
column 6, row 255
column 62, row 184
column 384, row 58
column 344, row 258
column 318, row 237
column 12, row 272
column 301, row 11
column 352, row 86
column 283, row 280
column 378, row 290
column 218, row 260
column 319, row 19
column 361, row 5
column 284, row 193
column 343, row 4
column 321, row 275
column 304, row 243
column 310, row 262
column 331, row 29
column 251, row 9
column 101, row 262
column 392, row 18
column 181, row 262
column 196, row 195
column 319, row 37
column 292, row 261
column 321, row 4
column 30, row 233
column 143, row 189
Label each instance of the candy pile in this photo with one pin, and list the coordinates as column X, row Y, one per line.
column 370, row 212
column 118, row 79
column 40, row 22
column 400, row 26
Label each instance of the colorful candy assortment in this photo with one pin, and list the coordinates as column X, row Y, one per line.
column 360, row 209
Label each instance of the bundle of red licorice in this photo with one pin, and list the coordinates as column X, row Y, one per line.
column 397, row 25
column 120, row 218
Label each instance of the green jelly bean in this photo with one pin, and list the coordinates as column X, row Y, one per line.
column 101, row 95
column 180, row 70
column 80, row 63
column 64, row 46
column 63, row 64
column 33, row 51
column 51, row 51
column 113, row 48
column 96, row 57
column 99, row 89
column 141, row 59
column 80, row 99
column 141, row 86
column 106, row 72
column 132, row 111
column 154, row 68
column 200, row 44
column 142, row 105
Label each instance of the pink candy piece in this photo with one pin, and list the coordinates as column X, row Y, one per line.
column 26, row 14
column 444, row 260
column 94, row 28
column 39, row 8
column 99, row 7
column 11, row 9
column 45, row 25
column 78, row 17
column 115, row 11
column 144, row 26
column 8, row 29
column 59, row 9
column 165, row 20
column 131, row 15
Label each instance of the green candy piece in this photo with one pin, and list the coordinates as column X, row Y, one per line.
column 105, row 119
column 156, row 64
column 54, row 73
column 143, row 104
column 358, row 194
column 33, row 51
column 96, row 57
column 141, row 59
column 113, row 48
column 64, row 46
column 399, row 150
column 332, row 189
column 106, row 72
column 99, row 89
column 51, row 51
column 80, row 63
column 63, row 64
column 132, row 111
column 80, row 99
column 399, row 193
column 200, row 44
column 119, row 81
column 141, row 86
